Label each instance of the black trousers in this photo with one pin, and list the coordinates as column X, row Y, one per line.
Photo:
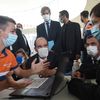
column 84, row 91
column 65, row 64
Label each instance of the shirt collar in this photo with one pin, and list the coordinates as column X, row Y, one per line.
column 48, row 21
column 4, row 52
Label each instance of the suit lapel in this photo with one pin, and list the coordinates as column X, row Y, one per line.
column 50, row 27
column 44, row 32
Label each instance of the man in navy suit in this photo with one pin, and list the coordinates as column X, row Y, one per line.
column 49, row 29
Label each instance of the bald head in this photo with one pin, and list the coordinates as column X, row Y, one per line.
column 40, row 42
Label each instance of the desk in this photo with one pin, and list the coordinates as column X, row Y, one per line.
column 63, row 95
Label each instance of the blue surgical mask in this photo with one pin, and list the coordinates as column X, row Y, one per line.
column 95, row 31
column 10, row 40
column 20, row 59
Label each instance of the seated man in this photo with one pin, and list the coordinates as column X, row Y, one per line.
column 77, row 86
column 90, row 91
column 88, row 68
column 41, row 47
column 8, row 61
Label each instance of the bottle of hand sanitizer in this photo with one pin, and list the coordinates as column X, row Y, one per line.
column 76, row 65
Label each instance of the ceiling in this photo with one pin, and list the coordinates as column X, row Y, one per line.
column 28, row 11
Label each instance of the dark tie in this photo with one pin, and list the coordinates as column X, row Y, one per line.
column 48, row 28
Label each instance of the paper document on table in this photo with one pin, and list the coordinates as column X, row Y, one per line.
column 50, row 44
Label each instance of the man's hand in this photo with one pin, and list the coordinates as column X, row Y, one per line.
column 76, row 74
column 17, row 84
column 48, row 72
column 77, row 57
column 37, row 68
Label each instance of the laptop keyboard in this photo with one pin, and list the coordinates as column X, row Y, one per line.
column 36, row 82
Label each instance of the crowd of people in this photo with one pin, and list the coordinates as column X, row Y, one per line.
column 57, row 47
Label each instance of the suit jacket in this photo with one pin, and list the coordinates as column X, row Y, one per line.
column 90, row 68
column 52, row 58
column 71, row 38
column 53, row 34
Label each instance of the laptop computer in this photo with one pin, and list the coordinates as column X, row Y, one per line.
column 47, row 89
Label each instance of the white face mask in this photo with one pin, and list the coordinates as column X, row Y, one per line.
column 92, row 50
column 11, row 39
column 46, row 17
column 60, row 20
column 21, row 29
column 43, row 52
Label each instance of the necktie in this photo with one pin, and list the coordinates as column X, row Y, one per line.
column 48, row 28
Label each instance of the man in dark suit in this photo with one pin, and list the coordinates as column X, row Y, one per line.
column 89, row 66
column 41, row 47
column 88, row 70
column 27, row 48
column 50, row 30
column 77, row 86
column 70, row 40
column 21, row 42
